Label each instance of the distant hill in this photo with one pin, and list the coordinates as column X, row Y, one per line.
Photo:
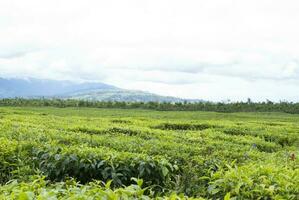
column 37, row 88
column 44, row 88
column 117, row 94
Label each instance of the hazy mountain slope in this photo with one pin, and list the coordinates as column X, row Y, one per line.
column 123, row 95
column 26, row 88
column 47, row 88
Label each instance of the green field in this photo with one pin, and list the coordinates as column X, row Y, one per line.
column 90, row 153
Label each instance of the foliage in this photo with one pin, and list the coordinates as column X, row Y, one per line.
column 249, row 106
column 177, row 155
column 41, row 189
column 254, row 181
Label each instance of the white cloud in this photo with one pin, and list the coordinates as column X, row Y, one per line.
column 196, row 49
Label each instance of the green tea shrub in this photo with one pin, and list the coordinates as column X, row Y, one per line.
column 87, row 164
column 87, row 130
column 173, row 152
column 255, row 181
column 41, row 189
column 121, row 121
column 171, row 126
column 125, row 131
column 8, row 159
column 236, row 131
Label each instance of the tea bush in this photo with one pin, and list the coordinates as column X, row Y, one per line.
column 41, row 189
column 177, row 155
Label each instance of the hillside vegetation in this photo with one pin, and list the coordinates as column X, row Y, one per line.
column 88, row 153
column 120, row 95
column 249, row 106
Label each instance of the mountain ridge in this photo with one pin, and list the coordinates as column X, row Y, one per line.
column 65, row 89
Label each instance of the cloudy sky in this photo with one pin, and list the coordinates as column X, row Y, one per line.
column 207, row 49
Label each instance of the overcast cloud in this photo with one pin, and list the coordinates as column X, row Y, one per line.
column 207, row 49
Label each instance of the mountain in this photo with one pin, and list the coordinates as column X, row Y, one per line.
column 117, row 94
column 44, row 88
column 37, row 88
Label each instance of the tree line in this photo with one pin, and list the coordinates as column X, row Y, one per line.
column 248, row 106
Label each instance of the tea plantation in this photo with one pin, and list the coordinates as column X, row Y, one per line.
column 92, row 153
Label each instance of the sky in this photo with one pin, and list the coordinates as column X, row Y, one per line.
column 214, row 50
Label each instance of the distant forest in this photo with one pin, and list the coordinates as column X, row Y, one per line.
column 249, row 106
